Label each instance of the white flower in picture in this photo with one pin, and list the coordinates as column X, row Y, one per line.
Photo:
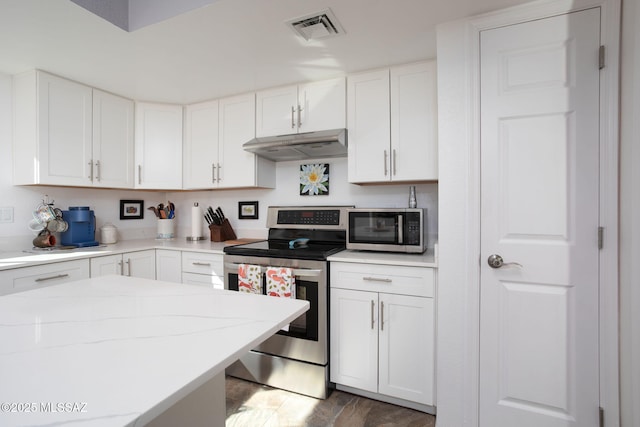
column 314, row 179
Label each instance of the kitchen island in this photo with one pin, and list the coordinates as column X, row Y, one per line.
column 121, row 351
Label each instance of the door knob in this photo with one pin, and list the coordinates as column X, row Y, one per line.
column 496, row 261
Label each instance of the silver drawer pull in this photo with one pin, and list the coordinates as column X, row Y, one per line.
column 44, row 279
column 373, row 304
column 382, row 315
column 208, row 264
column 376, row 279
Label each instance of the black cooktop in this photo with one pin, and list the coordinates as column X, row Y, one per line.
column 293, row 244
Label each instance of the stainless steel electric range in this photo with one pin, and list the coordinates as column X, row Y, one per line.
column 300, row 238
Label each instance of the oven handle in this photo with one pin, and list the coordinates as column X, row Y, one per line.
column 306, row 272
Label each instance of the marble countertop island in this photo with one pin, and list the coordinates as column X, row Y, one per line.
column 121, row 351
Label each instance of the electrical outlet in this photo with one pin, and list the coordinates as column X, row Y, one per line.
column 6, row 215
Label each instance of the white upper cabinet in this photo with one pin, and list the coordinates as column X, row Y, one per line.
column 112, row 141
column 213, row 155
column 52, row 133
column 158, row 146
column 237, row 167
column 392, row 117
column 201, row 145
column 301, row 108
column 70, row 134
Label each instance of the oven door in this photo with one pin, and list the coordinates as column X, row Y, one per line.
column 306, row 337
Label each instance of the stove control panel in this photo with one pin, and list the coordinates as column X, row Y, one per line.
column 307, row 217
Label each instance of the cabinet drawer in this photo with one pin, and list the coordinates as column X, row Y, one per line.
column 201, row 263
column 216, row 282
column 403, row 280
column 24, row 279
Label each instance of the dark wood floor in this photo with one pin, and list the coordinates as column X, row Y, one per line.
column 254, row 405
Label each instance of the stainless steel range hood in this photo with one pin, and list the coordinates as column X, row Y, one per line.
column 300, row 146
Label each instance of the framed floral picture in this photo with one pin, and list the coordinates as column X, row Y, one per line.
column 314, row 179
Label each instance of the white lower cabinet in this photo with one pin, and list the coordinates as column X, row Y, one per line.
column 168, row 265
column 382, row 330
column 27, row 278
column 135, row 264
column 200, row 268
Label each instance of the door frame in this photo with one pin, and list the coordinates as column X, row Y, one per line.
column 459, row 307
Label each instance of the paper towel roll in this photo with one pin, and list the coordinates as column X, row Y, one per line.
column 196, row 222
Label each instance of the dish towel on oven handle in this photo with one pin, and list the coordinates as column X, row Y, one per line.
column 281, row 282
column 249, row 278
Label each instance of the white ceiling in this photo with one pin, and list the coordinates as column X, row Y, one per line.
column 224, row 48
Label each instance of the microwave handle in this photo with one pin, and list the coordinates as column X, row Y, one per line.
column 401, row 229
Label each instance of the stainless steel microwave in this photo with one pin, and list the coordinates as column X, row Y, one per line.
column 387, row 230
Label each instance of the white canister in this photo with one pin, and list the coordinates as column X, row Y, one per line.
column 166, row 229
column 108, row 234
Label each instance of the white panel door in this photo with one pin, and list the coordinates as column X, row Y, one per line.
column 200, row 145
column 354, row 339
column 140, row 264
column 539, row 208
column 169, row 265
column 406, row 347
column 369, row 126
column 414, row 117
column 237, row 168
column 112, row 141
column 105, row 265
column 277, row 111
column 64, row 114
column 323, row 105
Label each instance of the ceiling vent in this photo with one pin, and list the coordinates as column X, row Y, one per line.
column 316, row 26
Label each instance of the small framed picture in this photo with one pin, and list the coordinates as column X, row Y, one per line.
column 248, row 210
column 131, row 209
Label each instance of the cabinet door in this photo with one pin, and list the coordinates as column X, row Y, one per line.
column 277, row 111
column 140, row 264
column 354, row 339
column 406, row 347
column 168, row 265
column 112, row 141
column 414, row 136
column 158, row 146
column 323, row 105
column 104, row 265
column 238, row 168
column 369, row 127
column 64, row 121
column 200, row 145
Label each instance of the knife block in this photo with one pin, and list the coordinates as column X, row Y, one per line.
column 220, row 233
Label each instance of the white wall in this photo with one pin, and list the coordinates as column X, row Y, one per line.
column 106, row 204
column 630, row 217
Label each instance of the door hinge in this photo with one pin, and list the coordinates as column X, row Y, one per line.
column 601, row 416
column 600, row 237
column 601, row 57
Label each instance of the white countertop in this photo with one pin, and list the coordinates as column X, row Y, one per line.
column 30, row 257
column 121, row 350
column 427, row 259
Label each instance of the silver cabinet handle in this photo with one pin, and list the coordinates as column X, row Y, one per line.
column 208, row 264
column 373, row 304
column 98, row 167
column 139, row 174
column 213, row 173
column 382, row 315
column 293, row 112
column 496, row 261
column 401, row 229
column 299, row 120
column 44, row 279
column 128, row 262
column 219, row 168
column 90, row 171
column 385, row 162
column 393, row 157
column 376, row 279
